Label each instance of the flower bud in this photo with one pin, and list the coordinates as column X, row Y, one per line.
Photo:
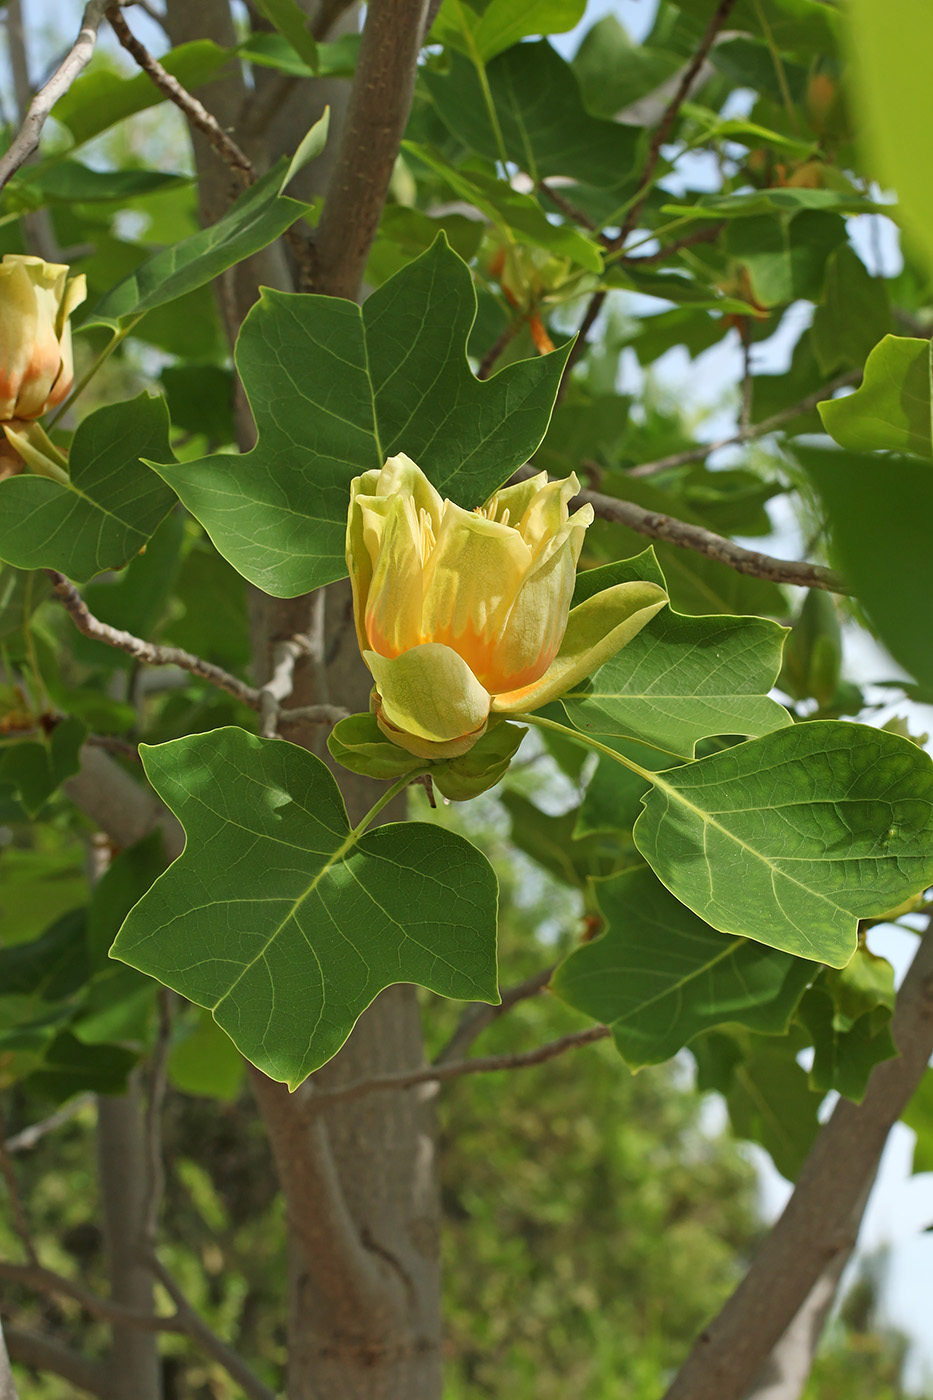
column 460, row 614
column 36, row 367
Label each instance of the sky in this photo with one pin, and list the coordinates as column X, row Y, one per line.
column 901, row 1205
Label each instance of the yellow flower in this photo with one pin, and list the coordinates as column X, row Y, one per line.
column 36, row 367
column 463, row 614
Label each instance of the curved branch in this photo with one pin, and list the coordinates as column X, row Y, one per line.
column 440, row 1073
column 41, row 1353
column 820, row 1220
column 76, row 59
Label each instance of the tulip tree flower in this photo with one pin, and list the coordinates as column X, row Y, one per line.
column 36, row 366
column 463, row 615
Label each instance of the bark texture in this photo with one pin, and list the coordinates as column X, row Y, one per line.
column 360, row 1186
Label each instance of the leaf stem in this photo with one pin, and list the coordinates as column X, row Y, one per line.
column 579, row 737
column 116, row 339
column 399, row 786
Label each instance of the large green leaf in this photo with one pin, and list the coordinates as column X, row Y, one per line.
column 544, row 126
column 336, row 388
column 683, row 679
column 792, row 838
column 785, row 255
column 854, row 316
column 109, row 506
column 284, row 922
column 891, row 408
column 256, row 219
column 490, row 27
column 659, row 975
column 879, row 511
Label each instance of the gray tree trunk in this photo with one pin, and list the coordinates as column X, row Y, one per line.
column 361, row 1189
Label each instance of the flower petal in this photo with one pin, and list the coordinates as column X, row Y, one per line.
column 430, row 693
column 596, row 630
column 471, row 579
column 19, row 322
column 402, row 476
column 392, row 615
column 547, row 512
column 514, row 499
column 359, row 561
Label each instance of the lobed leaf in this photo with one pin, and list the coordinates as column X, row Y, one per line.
column 284, row 922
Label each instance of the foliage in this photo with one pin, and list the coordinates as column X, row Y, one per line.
column 552, row 230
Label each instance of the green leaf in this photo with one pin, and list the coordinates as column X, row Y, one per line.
column 614, row 72
column 69, row 1068
column 786, row 256
column 102, row 97
column 919, row 1116
column 847, row 1014
column 683, row 679
column 492, row 27
column 292, row 22
column 255, row 220
column 21, row 592
column 767, row 1092
column 69, row 181
column 613, row 798
column 891, row 408
column 792, row 838
column 854, row 315
column 545, row 128
column 283, row 921
column 32, row 769
column 505, row 207
column 892, row 96
column 206, row 1062
column 335, row 60
column 109, row 506
column 879, row 509
column 659, row 976
column 336, row 389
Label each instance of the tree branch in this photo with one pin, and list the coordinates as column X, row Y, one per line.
column 380, row 101
column 702, row 541
column 27, row 1138
column 78, row 56
column 480, row 1014
column 752, row 431
column 198, row 1330
column 8, row 1389
column 717, row 20
column 818, row 1222
column 47, row 1282
column 197, row 114
column 41, row 1353
column 20, row 1223
column 441, row 1073
column 345, row 1271
column 155, row 655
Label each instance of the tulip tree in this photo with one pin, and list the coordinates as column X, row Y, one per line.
column 406, row 276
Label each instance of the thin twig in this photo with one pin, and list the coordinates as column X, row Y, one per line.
column 750, row 433
column 149, row 652
column 41, row 1353
column 647, row 175
column 122, row 748
column 566, row 208
column 27, row 1138
column 197, row 1329
column 498, row 348
column 20, row 1223
column 280, row 684
column 702, row 541
column 663, row 129
column 707, row 234
column 77, row 58
column 46, row 1281
column 456, row 1069
column 197, row 114
column 479, row 1014
column 154, row 654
